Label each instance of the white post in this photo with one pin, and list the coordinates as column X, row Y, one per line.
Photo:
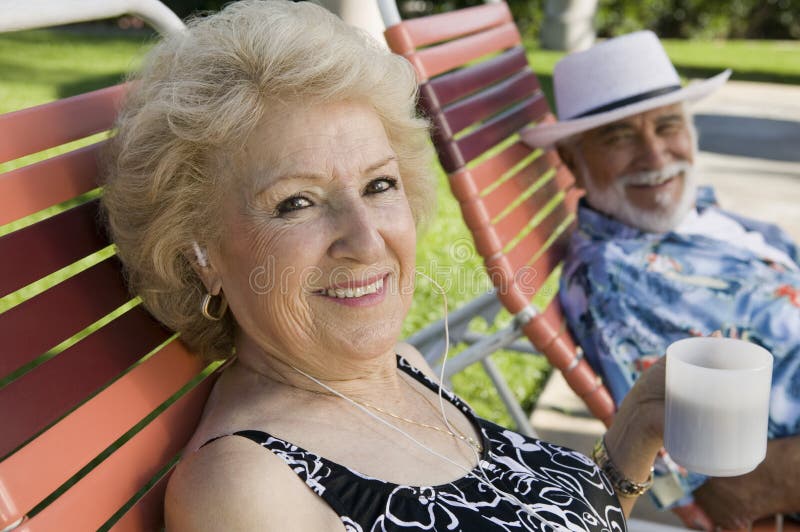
column 359, row 13
column 568, row 24
column 389, row 12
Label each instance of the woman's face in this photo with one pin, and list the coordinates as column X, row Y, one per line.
column 317, row 257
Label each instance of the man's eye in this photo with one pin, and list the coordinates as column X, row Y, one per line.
column 669, row 129
column 295, row 203
column 619, row 138
column 382, row 184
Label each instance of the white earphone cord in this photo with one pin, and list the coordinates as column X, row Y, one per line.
column 485, row 480
column 482, row 478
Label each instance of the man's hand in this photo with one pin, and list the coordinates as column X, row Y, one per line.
column 733, row 502
column 773, row 487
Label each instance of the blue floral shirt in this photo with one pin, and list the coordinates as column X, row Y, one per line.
column 628, row 294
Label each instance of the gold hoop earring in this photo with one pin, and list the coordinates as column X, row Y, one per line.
column 223, row 306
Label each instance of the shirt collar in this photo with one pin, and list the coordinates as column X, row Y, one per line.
column 599, row 225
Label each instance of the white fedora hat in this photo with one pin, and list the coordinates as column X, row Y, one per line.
column 612, row 80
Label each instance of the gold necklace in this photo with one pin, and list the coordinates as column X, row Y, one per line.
column 475, row 445
column 458, row 435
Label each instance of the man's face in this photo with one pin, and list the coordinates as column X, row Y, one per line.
column 638, row 170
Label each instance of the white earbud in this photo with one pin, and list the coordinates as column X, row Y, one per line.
column 199, row 254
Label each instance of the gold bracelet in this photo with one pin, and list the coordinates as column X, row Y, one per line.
column 624, row 486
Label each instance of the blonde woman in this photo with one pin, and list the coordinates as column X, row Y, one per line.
column 265, row 189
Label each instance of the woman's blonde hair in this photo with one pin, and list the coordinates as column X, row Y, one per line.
column 190, row 108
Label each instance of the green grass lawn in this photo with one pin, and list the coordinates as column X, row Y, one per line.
column 40, row 66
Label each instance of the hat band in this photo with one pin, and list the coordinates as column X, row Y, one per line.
column 627, row 101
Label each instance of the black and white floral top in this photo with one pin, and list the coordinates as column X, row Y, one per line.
column 564, row 488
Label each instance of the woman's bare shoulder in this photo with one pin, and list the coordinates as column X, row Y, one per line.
column 415, row 358
column 235, row 484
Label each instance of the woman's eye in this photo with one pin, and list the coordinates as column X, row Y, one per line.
column 382, row 184
column 295, row 203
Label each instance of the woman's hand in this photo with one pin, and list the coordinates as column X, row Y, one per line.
column 644, row 404
column 637, row 432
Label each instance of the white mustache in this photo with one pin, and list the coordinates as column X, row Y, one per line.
column 655, row 177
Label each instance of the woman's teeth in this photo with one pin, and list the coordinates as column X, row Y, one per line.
column 343, row 293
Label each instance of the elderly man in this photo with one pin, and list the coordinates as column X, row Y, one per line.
column 655, row 260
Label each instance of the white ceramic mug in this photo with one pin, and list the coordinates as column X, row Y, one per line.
column 717, row 405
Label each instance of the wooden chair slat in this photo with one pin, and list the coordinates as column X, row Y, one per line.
column 443, row 90
column 52, row 124
column 527, row 270
column 521, row 273
column 491, row 101
column 536, row 274
column 42, row 322
column 508, row 292
column 148, row 512
column 98, row 495
column 61, row 451
column 581, row 378
column 519, row 217
column 42, row 248
column 441, row 58
column 463, row 186
column 446, row 149
column 516, row 221
column 501, row 127
column 601, row 405
column 468, row 183
column 554, row 255
column 486, row 173
column 554, row 313
column 51, row 390
column 49, row 182
column 523, row 252
column 445, row 26
column 530, row 176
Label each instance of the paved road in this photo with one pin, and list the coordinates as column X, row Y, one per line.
column 750, row 150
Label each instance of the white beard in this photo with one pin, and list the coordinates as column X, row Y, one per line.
column 613, row 201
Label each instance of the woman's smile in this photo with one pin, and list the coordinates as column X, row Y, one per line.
column 364, row 294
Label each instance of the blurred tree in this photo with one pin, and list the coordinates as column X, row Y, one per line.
column 184, row 8
column 751, row 19
column 529, row 15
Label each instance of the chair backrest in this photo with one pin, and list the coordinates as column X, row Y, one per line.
column 97, row 399
column 478, row 90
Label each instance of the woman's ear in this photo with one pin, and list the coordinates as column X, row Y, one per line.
column 204, row 268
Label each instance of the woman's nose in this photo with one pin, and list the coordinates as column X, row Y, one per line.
column 357, row 237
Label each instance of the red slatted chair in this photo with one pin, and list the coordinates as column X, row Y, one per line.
column 518, row 203
column 91, row 427
column 478, row 91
